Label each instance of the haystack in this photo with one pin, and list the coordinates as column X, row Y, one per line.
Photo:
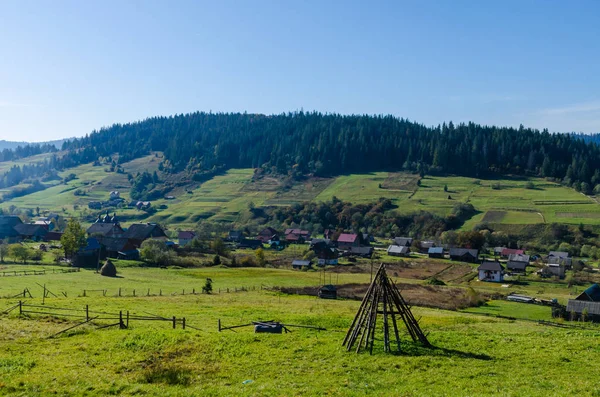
column 108, row 269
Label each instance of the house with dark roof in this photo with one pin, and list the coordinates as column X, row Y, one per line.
column 267, row 234
column 464, row 254
column 347, row 240
column 327, row 256
column 296, row 235
column 121, row 248
column 30, row 231
column 301, row 264
column 491, row 271
column 365, row 252
column 112, row 230
column 184, row 237
column 559, row 258
column 235, row 236
column 424, row 246
column 553, row 269
column 247, row 243
column 517, row 262
column 435, row 252
column 403, row 241
column 53, row 236
column 7, row 226
column 587, row 302
column 397, row 250
column 139, row 232
column 88, row 256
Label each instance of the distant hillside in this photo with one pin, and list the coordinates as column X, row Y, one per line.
column 11, row 145
column 329, row 144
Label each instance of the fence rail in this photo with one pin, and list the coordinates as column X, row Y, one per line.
column 87, row 316
column 131, row 292
column 14, row 273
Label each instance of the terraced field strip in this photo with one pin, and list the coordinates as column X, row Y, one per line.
column 593, row 215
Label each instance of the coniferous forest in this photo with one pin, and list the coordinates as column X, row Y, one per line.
column 330, row 144
column 333, row 144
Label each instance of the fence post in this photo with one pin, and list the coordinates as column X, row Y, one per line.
column 174, row 322
column 148, row 292
column 127, row 324
column 20, row 308
column 160, row 292
column 121, row 325
column 193, row 291
column 84, row 293
column 183, row 323
column 87, row 313
column 119, row 291
column 183, row 291
column 134, row 293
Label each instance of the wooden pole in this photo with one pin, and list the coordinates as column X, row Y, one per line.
column 87, row 312
column 174, row 322
column 20, row 308
column 183, row 323
column 127, row 324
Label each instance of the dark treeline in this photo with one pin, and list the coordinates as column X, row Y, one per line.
column 331, row 144
column 25, row 151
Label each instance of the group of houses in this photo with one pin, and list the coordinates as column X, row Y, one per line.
column 107, row 239
column 12, row 229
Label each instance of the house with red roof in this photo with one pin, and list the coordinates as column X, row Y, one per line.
column 506, row 252
column 348, row 240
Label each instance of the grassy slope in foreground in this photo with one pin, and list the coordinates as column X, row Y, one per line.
column 475, row 355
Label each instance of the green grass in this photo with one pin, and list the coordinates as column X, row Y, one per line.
column 518, row 310
column 473, row 354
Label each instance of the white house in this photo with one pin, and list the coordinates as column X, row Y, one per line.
column 491, row 271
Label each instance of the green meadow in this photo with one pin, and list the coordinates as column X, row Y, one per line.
column 473, row 354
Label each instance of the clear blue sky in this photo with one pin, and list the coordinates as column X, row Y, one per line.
column 67, row 68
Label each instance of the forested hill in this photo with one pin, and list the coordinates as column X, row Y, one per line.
column 331, row 144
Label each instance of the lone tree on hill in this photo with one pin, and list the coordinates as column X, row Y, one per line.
column 73, row 238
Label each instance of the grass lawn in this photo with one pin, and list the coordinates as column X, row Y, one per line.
column 473, row 354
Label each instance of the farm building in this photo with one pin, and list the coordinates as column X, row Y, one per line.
column 121, row 248
column 7, row 226
column 424, row 246
column 464, row 254
column 347, row 240
column 435, row 252
column 29, row 231
column 491, row 271
column 403, row 241
column 565, row 261
column 234, row 236
column 139, row 232
column 365, row 252
column 267, row 234
column 327, row 256
column 591, row 294
column 249, row 243
column 368, row 238
column 396, row 250
column 577, row 309
column 498, row 250
column 301, row 264
column 553, row 269
column 520, row 298
column 517, row 262
column 106, row 230
column 328, row 292
column 52, row 236
column 506, row 252
column 185, row 237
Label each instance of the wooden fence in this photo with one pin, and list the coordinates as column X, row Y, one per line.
column 132, row 292
column 88, row 316
column 13, row 273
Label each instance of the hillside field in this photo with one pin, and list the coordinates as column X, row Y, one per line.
column 226, row 198
column 474, row 354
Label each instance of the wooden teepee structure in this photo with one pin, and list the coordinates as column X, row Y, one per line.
column 382, row 298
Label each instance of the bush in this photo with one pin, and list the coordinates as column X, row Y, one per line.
column 529, row 185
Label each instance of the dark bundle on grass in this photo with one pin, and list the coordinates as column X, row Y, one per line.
column 109, row 269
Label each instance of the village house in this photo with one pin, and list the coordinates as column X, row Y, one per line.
column 586, row 304
column 347, row 240
column 403, row 241
column 365, row 252
column 267, row 234
column 88, row 256
column 139, row 232
column 491, row 271
column 296, row 235
column 7, row 226
column 235, row 236
column 184, row 237
column 559, row 258
column 29, row 231
column 107, row 229
column 424, row 246
column 553, row 269
column 301, row 264
column 464, row 254
column 396, row 250
column 121, row 248
column 436, row 252
column 506, row 252
column 328, row 292
column 328, row 256
column 247, row 243
column 517, row 262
